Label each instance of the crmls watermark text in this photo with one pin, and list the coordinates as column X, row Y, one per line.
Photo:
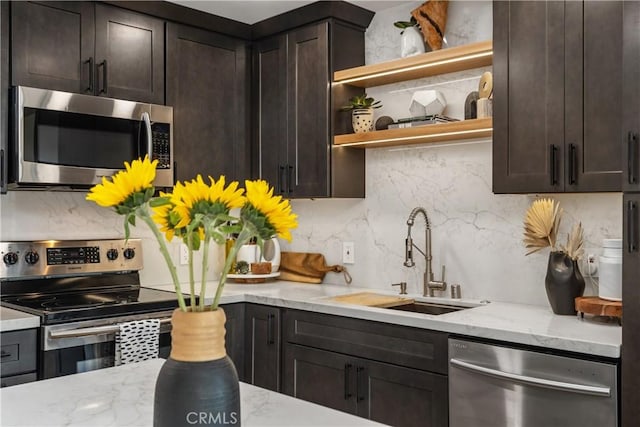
column 219, row 418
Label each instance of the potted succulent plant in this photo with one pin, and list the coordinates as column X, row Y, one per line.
column 361, row 108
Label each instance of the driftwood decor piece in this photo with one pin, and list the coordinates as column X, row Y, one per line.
column 432, row 18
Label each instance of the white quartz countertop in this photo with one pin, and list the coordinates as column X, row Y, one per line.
column 123, row 396
column 514, row 323
column 13, row 320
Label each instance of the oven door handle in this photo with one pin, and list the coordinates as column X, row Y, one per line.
column 533, row 381
column 94, row 330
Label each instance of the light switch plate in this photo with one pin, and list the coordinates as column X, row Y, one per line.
column 184, row 254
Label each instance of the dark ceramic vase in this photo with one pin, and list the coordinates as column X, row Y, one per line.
column 198, row 384
column 564, row 283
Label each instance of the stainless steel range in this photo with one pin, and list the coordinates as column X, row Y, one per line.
column 82, row 291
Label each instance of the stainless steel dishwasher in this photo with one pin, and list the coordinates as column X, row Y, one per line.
column 498, row 386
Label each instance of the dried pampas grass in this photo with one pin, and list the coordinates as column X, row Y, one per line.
column 541, row 225
column 575, row 239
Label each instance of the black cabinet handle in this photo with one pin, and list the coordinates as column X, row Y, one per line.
column 2, row 170
column 270, row 332
column 632, row 141
column 573, row 163
column 281, row 179
column 103, row 88
column 290, row 176
column 347, row 374
column 632, row 220
column 175, row 172
column 4, row 354
column 360, row 386
column 553, row 159
column 89, row 87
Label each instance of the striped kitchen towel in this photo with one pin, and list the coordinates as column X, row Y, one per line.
column 137, row 341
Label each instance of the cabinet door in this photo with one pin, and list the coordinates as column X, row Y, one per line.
column 528, row 121
column 207, row 81
column 270, row 101
column 321, row 377
column 262, row 342
column 234, row 338
column 129, row 55
column 631, row 97
column 593, row 94
column 52, row 45
column 308, row 116
column 400, row 396
column 631, row 297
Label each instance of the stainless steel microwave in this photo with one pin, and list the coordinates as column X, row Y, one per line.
column 72, row 140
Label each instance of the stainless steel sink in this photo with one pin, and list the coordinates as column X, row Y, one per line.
column 428, row 308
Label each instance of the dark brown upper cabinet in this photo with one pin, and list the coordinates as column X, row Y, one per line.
column 293, row 111
column 631, row 100
column 557, row 97
column 90, row 48
column 207, row 86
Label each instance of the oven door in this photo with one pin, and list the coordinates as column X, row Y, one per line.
column 76, row 140
column 84, row 346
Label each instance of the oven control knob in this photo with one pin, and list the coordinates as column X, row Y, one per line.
column 129, row 253
column 31, row 257
column 10, row 258
column 112, row 254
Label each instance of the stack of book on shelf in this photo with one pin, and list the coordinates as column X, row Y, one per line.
column 421, row 121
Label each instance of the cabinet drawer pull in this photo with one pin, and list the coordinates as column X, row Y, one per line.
column 290, row 178
column 270, row 335
column 573, row 164
column 281, row 179
column 103, row 88
column 359, row 385
column 553, row 154
column 89, row 87
column 4, row 354
column 347, row 375
column 632, row 233
column 632, row 142
column 2, row 170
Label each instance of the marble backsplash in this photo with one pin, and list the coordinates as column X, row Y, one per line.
column 475, row 233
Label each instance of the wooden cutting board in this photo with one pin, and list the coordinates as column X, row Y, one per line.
column 598, row 307
column 371, row 299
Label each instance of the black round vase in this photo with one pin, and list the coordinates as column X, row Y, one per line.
column 197, row 393
column 564, row 283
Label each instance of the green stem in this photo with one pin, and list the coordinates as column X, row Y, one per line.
column 165, row 253
column 192, row 284
column 243, row 238
column 205, row 267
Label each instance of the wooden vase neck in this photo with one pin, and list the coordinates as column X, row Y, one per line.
column 197, row 336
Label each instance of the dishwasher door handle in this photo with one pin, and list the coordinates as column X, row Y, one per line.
column 533, row 381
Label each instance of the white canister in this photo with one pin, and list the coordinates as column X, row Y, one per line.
column 610, row 270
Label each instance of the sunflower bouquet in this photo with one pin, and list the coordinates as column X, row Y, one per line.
column 198, row 213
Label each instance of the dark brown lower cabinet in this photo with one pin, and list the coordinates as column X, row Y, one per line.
column 234, row 337
column 382, row 392
column 262, row 343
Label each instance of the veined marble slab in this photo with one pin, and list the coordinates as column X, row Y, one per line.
column 13, row 320
column 514, row 323
column 123, row 396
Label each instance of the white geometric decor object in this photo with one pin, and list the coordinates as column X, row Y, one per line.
column 427, row 103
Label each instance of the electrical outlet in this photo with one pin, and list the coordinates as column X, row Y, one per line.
column 184, row 254
column 348, row 253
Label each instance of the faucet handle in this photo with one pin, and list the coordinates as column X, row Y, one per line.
column 442, row 278
column 403, row 287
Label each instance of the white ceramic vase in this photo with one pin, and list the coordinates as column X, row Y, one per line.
column 411, row 42
column 362, row 120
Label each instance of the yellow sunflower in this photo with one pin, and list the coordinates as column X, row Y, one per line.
column 136, row 178
column 166, row 218
column 231, row 196
column 276, row 210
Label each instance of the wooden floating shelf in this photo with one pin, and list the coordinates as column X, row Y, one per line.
column 440, row 132
column 427, row 64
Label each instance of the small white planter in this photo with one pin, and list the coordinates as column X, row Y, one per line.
column 411, row 42
column 362, row 120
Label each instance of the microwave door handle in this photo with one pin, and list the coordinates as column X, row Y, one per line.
column 147, row 123
column 533, row 381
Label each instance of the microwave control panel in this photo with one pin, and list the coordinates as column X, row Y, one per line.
column 161, row 144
